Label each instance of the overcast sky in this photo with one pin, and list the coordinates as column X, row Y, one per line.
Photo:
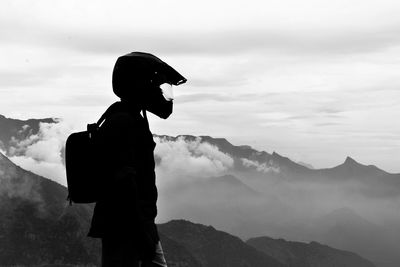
column 312, row 80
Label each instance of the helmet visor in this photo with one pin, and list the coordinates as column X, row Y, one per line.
column 167, row 91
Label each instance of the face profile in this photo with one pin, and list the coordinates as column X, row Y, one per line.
column 145, row 81
column 156, row 103
column 167, row 91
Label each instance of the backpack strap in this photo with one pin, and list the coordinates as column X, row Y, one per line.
column 95, row 126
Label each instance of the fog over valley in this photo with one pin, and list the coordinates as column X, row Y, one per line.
column 245, row 192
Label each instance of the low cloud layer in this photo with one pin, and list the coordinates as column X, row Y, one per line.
column 259, row 200
column 41, row 153
column 261, row 167
column 182, row 159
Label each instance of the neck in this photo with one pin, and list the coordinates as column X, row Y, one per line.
column 131, row 106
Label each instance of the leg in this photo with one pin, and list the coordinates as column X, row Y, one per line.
column 118, row 252
column 159, row 259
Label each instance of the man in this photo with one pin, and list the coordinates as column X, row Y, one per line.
column 124, row 216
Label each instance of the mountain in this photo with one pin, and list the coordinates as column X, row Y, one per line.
column 37, row 221
column 176, row 254
column 222, row 201
column 306, row 164
column 206, row 245
column 12, row 129
column 351, row 169
column 37, row 224
column 228, row 184
column 372, row 181
column 293, row 199
column 298, row 254
column 346, row 229
column 222, row 144
column 256, row 167
column 267, row 194
column 213, row 248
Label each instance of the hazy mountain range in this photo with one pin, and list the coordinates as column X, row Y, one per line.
column 351, row 206
column 37, row 227
column 251, row 193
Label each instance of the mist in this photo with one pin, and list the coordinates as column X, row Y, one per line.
column 246, row 196
column 185, row 162
column 250, row 198
column 42, row 153
column 16, row 183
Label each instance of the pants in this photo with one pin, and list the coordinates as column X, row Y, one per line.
column 124, row 254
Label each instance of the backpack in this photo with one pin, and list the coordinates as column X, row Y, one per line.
column 84, row 177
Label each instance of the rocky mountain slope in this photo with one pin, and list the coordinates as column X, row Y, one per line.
column 37, row 226
column 298, row 254
column 215, row 248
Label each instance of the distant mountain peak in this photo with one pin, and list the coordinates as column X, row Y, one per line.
column 350, row 160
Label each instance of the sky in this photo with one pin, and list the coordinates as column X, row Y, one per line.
column 315, row 81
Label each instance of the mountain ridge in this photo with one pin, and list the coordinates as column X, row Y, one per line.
column 225, row 146
column 51, row 232
column 299, row 254
column 14, row 127
column 289, row 195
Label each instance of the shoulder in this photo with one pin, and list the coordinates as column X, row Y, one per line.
column 123, row 118
column 123, row 124
column 120, row 118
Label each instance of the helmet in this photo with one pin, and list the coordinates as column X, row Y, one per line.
column 137, row 72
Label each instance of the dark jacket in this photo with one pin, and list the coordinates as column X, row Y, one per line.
column 127, row 208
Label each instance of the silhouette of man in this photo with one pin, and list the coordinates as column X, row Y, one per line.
column 124, row 215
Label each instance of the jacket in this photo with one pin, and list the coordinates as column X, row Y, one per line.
column 127, row 206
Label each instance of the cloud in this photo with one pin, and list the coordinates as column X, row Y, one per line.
column 329, row 110
column 265, row 167
column 18, row 79
column 329, row 37
column 228, row 42
column 201, row 97
column 184, row 159
column 42, row 153
column 52, row 170
column 2, row 151
column 86, row 100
